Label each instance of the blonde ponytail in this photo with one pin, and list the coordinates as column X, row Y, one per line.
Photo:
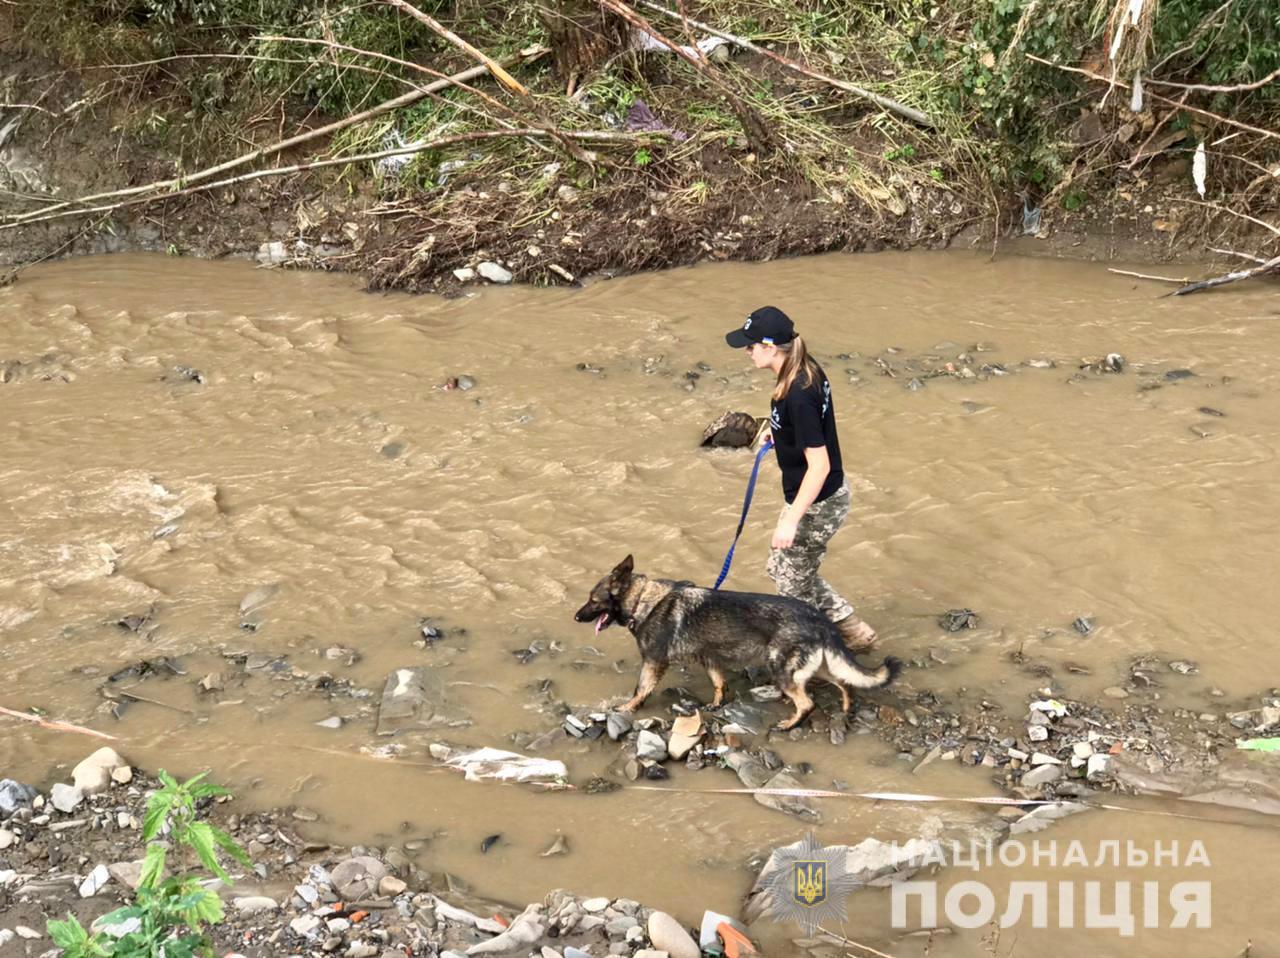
column 797, row 365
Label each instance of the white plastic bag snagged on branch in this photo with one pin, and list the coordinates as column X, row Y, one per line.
column 1199, row 167
column 1135, row 101
column 1134, row 13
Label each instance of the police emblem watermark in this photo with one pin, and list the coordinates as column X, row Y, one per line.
column 809, row 884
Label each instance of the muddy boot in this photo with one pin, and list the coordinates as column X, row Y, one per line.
column 858, row 636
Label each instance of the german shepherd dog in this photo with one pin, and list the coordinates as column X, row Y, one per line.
column 677, row 621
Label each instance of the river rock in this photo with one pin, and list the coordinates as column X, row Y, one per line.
column 464, row 275
column 94, row 881
column 126, row 874
column 1042, row 775
column 668, row 935
column 651, row 746
column 358, row 877
column 391, row 886
column 15, row 795
column 93, row 775
column 686, row 732
column 7, row 838
column 617, row 725
column 66, row 798
column 255, row 905
column 595, row 905
column 304, row 925
column 416, row 698
column 525, row 930
column 494, row 273
column 753, row 774
column 734, row 430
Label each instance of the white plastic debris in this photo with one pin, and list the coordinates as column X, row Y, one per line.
column 1136, row 100
column 495, row 764
column 645, row 42
column 1049, row 707
column 1199, row 167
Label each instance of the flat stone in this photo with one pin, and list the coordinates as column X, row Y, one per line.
column 7, row 838
column 255, row 905
column 94, row 881
column 28, row 933
column 618, row 927
column 1040, row 758
column 668, row 935
column 494, row 273
column 1115, row 692
column 595, row 904
column 122, row 775
column 464, row 275
column 686, row 732
column 93, row 775
column 127, row 874
column 334, row 721
column 617, row 725
column 1042, row 775
column 66, row 798
column 304, row 925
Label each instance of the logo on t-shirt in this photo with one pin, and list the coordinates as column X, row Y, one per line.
column 775, row 419
column 826, row 397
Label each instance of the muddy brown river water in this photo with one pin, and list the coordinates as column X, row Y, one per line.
column 317, row 457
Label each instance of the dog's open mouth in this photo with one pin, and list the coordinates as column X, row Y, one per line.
column 603, row 622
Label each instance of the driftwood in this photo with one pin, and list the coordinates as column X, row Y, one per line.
column 493, row 65
column 56, row 726
column 1269, row 266
column 1158, row 279
column 893, row 106
column 182, row 183
column 758, row 135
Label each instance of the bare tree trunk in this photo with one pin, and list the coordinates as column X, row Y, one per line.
column 583, row 35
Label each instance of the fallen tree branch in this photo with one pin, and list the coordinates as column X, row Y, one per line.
column 1161, row 279
column 1231, row 252
column 575, row 151
column 601, row 136
column 493, row 65
column 1206, row 88
column 1226, row 209
column 182, row 182
column 56, row 726
column 1272, row 134
column 758, row 135
column 1269, row 266
column 893, row 106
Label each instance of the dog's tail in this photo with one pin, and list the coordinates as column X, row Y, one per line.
column 844, row 668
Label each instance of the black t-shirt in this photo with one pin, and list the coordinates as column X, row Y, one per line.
column 803, row 419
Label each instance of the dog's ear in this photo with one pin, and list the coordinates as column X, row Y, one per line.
column 622, row 571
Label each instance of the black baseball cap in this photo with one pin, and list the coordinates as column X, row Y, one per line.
column 768, row 324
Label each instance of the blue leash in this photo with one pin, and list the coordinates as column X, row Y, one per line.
column 746, row 506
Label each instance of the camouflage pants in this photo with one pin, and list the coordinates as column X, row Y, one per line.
column 794, row 571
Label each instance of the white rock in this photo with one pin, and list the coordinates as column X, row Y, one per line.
column 525, row 930
column 334, row 721
column 1037, row 733
column 670, row 936
column 595, row 904
column 66, row 798
column 255, row 905
column 1082, row 749
column 464, row 275
column 361, row 949
column 1042, row 775
column 1098, row 764
column 94, row 774
column 305, row 925
column 390, row 886
column 1040, row 758
column 94, row 882
column 7, row 838
column 494, row 273
column 122, row 775
column 7, row 936
column 28, row 933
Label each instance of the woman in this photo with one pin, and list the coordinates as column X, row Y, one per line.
column 803, row 424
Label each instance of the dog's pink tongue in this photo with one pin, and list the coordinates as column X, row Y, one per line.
column 602, row 622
